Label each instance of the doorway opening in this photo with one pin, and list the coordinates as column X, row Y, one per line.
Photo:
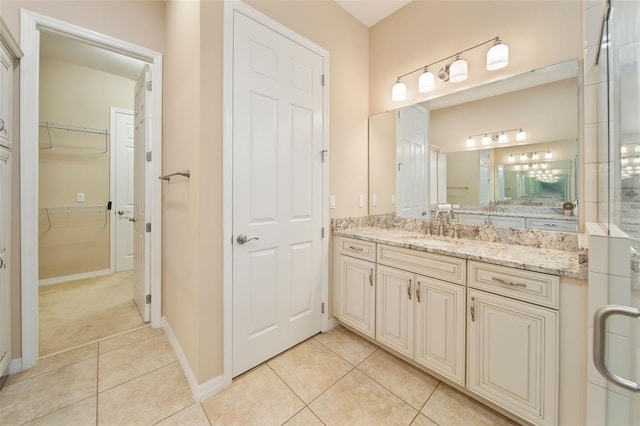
column 76, row 88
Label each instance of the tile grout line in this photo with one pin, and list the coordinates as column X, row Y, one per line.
column 137, row 377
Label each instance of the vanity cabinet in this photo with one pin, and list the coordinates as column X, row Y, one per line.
column 512, row 340
column 355, row 284
column 419, row 313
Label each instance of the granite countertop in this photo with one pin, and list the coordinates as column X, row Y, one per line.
column 548, row 261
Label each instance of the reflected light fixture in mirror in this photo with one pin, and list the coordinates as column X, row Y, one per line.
column 498, row 135
column 521, row 136
column 457, row 71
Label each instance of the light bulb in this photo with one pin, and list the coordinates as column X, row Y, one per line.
column 498, row 56
column 521, row 136
column 458, row 70
column 512, row 159
column 399, row 91
column 503, row 138
column 486, row 140
column 548, row 155
column 470, row 142
column 426, row 82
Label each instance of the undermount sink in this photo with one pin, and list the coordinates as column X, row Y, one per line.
column 430, row 241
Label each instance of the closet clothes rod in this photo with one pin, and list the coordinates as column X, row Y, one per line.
column 185, row 173
column 74, row 128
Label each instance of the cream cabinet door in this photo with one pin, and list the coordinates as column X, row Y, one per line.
column 440, row 327
column 395, row 309
column 513, row 356
column 357, row 284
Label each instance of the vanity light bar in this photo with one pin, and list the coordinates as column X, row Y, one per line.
column 499, row 136
column 497, row 57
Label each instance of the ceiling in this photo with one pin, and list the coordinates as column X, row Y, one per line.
column 70, row 50
column 370, row 12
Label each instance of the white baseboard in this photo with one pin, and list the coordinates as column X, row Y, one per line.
column 15, row 366
column 75, row 277
column 199, row 391
column 332, row 323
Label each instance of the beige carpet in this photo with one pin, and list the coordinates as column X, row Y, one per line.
column 81, row 311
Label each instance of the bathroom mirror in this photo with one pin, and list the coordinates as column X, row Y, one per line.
column 422, row 155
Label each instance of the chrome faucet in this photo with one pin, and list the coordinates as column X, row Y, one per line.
column 440, row 215
column 450, row 215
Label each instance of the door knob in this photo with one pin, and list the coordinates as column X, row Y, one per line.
column 131, row 219
column 120, row 212
column 242, row 239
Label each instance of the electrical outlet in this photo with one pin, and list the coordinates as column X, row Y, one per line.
column 80, row 197
column 374, row 200
column 361, row 201
column 393, row 200
column 332, row 201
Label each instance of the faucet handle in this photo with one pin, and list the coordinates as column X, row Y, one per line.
column 455, row 233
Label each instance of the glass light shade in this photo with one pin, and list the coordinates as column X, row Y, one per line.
column 544, row 165
column 623, row 150
column 526, row 167
column 517, row 167
column 470, row 142
column 503, row 138
column 523, row 157
column 548, row 155
column 426, row 82
column 636, row 148
column 399, row 91
column 458, row 71
column 486, row 140
column 512, row 159
column 535, row 156
column 498, row 57
column 624, row 161
column 636, row 160
column 535, row 165
column 521, row 136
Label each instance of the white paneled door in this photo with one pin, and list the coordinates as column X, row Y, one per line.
column 142, row 145
column 277, row 193
column 412, row 184
column 123, row 134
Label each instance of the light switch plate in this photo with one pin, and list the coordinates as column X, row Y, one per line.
column 332, row 201
column 393, row 200
column 374, row 200
column 361, row 201
column 80, row 197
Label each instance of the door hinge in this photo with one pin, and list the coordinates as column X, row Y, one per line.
column 149, row 85
column 322, row 232
column 148, row 299
column 324, row 154
column 322, row 80
column 148, row 156
column 322, row 309
column 148, row 227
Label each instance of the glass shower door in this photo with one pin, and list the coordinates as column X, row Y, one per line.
column 617, row 325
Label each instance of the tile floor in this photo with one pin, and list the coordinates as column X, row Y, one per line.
column 82, row 311
column 335, row 378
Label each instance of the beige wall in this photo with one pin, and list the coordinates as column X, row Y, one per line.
column 382, row 162
column 547, row 113
column 538, row 33
column 138, row 22
column 77, row 240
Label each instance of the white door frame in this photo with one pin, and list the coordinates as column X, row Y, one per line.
column 227, row 172
column 112, row 187
column 31, row 24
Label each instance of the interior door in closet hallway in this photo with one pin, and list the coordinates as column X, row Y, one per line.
column 277, row 193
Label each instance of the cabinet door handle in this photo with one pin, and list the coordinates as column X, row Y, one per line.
column 511, row 283
column 418, row 291
column 1, row 124
column 473, row 309
column 409, row 290
column 371, row 277
column 1, row 263
column 550, row 224
column 356, row 248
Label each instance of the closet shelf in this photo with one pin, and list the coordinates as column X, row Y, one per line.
column 51, row 125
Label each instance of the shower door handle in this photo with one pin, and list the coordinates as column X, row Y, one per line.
column 600, row 343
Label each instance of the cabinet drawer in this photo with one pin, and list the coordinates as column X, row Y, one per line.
column 365, row 250
column 527, row 286
column 428, row 264
column 472, row 219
